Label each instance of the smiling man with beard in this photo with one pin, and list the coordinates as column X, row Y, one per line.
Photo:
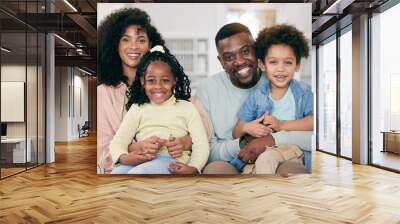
column 222, row 96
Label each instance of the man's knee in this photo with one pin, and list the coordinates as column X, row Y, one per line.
column 290, row 151
column 269, row 156
column 267, row 162
column 220, row 167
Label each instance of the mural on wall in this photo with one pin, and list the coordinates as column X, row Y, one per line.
column 136, row 136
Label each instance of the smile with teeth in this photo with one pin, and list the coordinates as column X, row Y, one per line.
column 243, row 71
column 133, row 55
column 280, row 78
column 158, row 95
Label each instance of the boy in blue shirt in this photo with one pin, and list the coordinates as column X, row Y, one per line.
column 281, row 103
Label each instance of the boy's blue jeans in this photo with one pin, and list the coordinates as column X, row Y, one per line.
column 307, row 160
column 159, row 165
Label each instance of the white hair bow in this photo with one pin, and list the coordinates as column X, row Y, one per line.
column 157, row 48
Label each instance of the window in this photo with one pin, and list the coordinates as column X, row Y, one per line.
column 327, row 96
column 346, row 94
column 22, row 65
column 385, row 84
column 192, row 54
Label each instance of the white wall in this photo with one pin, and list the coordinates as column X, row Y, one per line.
column 67, row 117
column 204, row 20
column 15, row 72
column 61, row 103
column 80, row 84
column 33, row 126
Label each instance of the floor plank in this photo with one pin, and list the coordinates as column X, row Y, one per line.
column 70, row 191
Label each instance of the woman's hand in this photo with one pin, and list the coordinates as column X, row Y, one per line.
column 176, row 146
column 181, row 168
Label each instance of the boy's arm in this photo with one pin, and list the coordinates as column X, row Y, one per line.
column 248, row 121
column 254, row 128
column 302, row 139
column 303, row 124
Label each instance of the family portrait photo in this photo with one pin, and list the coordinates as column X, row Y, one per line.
column 226, row 92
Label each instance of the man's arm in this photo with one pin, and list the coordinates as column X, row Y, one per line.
column 224, row 150
column 238, row 130
column 220, row 149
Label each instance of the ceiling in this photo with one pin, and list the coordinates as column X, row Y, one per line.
column 76, row 23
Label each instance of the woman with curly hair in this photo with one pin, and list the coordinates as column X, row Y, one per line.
column 123, row 38
column 160, row 108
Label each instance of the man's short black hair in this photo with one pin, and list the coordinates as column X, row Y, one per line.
column 230, row 29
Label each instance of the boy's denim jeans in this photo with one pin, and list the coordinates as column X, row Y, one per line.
column 307, row 160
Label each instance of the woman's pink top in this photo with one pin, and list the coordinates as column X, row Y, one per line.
column 110, row 111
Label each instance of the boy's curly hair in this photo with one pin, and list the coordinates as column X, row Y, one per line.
column 109, row 34
column 281, row 34
column 182, row 87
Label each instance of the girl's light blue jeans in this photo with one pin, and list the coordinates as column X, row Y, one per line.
column 159, row 165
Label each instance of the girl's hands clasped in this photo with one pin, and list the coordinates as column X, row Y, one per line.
column 142, row 151
column 151, row 145
column 176, row 145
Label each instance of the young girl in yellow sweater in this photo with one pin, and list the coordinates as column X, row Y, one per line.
column 159, row 109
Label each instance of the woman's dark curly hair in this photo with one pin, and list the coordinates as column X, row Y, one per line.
column 281, row 34
column 109, row 35
column 182, row 86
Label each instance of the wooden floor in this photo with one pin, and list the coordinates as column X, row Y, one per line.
column 10, row 171
column 387, row 159
column 70, row 191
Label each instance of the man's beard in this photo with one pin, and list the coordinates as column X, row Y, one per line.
column 253, row 81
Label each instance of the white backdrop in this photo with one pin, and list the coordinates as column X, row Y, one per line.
column 203, row 20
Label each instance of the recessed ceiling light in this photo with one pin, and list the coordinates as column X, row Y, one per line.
column 84, row 71
column 337, row 7
column 64, row 40
column 70, row 5
column 5, row 50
